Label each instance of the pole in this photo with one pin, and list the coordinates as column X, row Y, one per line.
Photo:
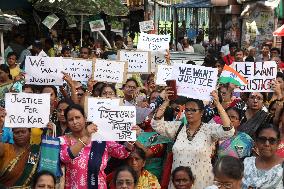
column 2, row 45
column 81, row 40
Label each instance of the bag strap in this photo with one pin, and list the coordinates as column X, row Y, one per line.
column 178, row 131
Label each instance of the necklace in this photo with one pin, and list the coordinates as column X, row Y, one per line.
column 191, row 136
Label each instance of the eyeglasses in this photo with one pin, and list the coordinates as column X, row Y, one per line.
column 257, row 98
column 190, row 110
column 121, row 182
column 108, row 93
column 226, row 185
column 263, row 140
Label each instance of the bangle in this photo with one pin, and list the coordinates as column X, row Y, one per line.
column 82, row 141
column 88, row 92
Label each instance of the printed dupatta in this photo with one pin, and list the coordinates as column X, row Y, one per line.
column 94, row 163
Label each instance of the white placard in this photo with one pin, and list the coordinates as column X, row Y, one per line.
column 138, row 61
column 78, row 69
column 97, row 25
column 94, row 103
column 146, row 26
column 114, row 123
column 164, row 72
column 43, row 70
column 194, row 81
column 259, row 75
column 50, row 20
column 110, row 71
column 27, row 110
column 153, row 42
column 157, row 58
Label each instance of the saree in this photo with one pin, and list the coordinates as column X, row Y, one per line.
column 250, row 126
column 150, row 139
column 20, row 170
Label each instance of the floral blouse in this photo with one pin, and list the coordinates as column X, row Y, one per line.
column 77, row 168
column 264, row 179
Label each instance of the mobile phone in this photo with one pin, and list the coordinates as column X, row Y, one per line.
column 173, row 85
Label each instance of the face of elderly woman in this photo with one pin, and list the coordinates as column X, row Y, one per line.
column 255, row 101
column 267, row 142
column 193, row 112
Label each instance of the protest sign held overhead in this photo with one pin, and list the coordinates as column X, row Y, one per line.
column 114, row 122
column 194, row 81
column 27, row 110
column 157, row 58
column 258, row 75
column 146, row 26
column 97, row 25
column 43, row 70
column 164, row 72
column 94, row 103
column 152, row 42
column 78, row 69
column 110, row 71
column 138, row 61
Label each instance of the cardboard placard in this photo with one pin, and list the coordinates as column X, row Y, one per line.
column 110, row 71
column 259, row 75
column 164, row 72
column 43, row 70
column 79, row 69
column 138, row 61
column 194, row 81
column 97, row 25
column 153, row 42
column 32, row 110
column 146, row 26
column 114, row 122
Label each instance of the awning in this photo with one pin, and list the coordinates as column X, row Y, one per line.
column 194, row 4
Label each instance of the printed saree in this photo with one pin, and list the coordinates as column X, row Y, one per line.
column 20, row 170
column 149, row 140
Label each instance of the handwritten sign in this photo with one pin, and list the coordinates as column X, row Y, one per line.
column 194, row 81
column 152, row 42
column 258, row 75
column 114, row 123
column 27, row 110
column 157, row 58
column 110, row 71
column 92, row 103
column 164, row 72
column 138, row 61
column 146, row 26
column 78, row 69
column 97, row 25
column 44, row 70
column 50, row 21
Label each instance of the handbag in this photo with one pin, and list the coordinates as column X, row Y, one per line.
column 50, row 154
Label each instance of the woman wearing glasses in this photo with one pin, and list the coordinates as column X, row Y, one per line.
column 264, row 171
column 254, row 116
column 228, row 173
column 194, row 141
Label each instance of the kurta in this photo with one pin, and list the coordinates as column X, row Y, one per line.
column 77, row 168
column 196, row 153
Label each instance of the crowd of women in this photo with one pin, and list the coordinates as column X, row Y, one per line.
column 235, row 141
